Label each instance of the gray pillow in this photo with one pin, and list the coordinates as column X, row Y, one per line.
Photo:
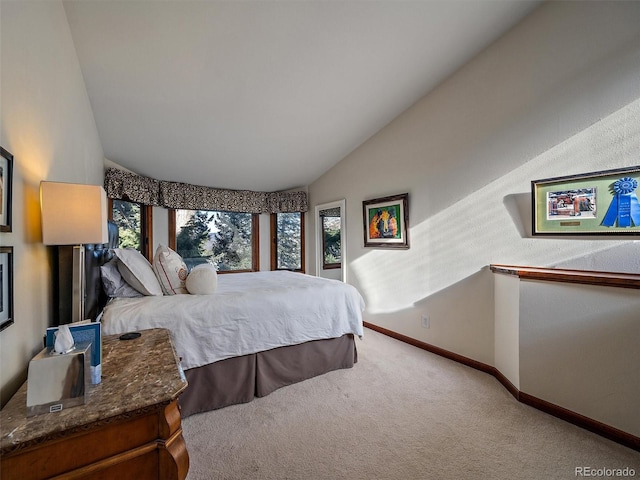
column 113, row 283
column 137, row 271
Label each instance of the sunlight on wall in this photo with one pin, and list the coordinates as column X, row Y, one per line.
column 31, row 165
column 478, row 229
column 31, row 147
column 384, row 278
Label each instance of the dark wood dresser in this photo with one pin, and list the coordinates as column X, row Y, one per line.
column 129, row 427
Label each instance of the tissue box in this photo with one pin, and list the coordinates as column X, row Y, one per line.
column 84, row 332
column 57, row 381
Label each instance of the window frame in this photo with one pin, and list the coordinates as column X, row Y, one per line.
column 146, row 226
column 255, row 238
column 325, row 265
column 274, row 243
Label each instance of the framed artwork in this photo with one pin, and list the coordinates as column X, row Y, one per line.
column 386, row 222
column 6, row 287
column 6, row 176
column 597, row 203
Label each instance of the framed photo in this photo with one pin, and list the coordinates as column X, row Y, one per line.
column 6, row 287
column 6, row 176
column 386, row 222
column 598, row 203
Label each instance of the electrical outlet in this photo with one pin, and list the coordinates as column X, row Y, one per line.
column 425, row 321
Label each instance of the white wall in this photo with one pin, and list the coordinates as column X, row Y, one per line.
column 557, row 95
column 507, row 327
column 579, row 350
column 48, row 125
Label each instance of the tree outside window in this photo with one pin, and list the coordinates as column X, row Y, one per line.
column 134, row 225
column 128, row 218
column 331, row 243
column 287, row 231
column 226, row 239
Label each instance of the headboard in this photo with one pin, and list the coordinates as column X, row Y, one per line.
column 94, row 257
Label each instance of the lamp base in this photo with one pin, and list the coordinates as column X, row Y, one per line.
column 69, row 293
column 77, row 294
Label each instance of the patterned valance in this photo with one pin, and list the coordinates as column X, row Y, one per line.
column 123, row 185
column 120, row 184
column 195, row 197
column 279, row 202
column 330, row 212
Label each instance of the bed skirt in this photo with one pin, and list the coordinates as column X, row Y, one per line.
column 240, row 379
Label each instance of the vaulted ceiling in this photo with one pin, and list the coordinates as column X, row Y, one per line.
column 265, row 95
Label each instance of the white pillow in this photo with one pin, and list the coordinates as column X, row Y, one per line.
column 137, row 272
column 113, row 283
column 202, row 280
column 170, row 270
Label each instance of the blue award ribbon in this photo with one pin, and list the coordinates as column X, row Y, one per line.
column 625, row 207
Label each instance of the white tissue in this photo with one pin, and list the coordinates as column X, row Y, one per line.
column 64, row 340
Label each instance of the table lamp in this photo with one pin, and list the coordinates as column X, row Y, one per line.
column 74, row 214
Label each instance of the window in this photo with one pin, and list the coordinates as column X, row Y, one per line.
column 229, row 240
column 134, row 222
column 287, row 241
column 331, row 243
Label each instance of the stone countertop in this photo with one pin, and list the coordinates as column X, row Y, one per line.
column 137, row 376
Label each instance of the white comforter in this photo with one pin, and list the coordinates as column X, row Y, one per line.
column 249, row 313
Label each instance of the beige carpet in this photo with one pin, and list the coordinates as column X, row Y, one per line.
column 400, row 413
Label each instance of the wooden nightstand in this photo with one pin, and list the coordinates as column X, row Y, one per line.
column 129, row 427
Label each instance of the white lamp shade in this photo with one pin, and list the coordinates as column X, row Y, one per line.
column 73, row 214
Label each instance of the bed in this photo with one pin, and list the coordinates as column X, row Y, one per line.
column 256, row 333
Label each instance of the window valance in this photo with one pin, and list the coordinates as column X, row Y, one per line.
column 330, row 212
column 123, row 185
column 120, row 184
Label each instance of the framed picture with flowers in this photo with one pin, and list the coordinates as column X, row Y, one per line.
column 597, row 203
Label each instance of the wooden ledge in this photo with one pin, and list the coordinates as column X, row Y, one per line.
column 588, row 277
